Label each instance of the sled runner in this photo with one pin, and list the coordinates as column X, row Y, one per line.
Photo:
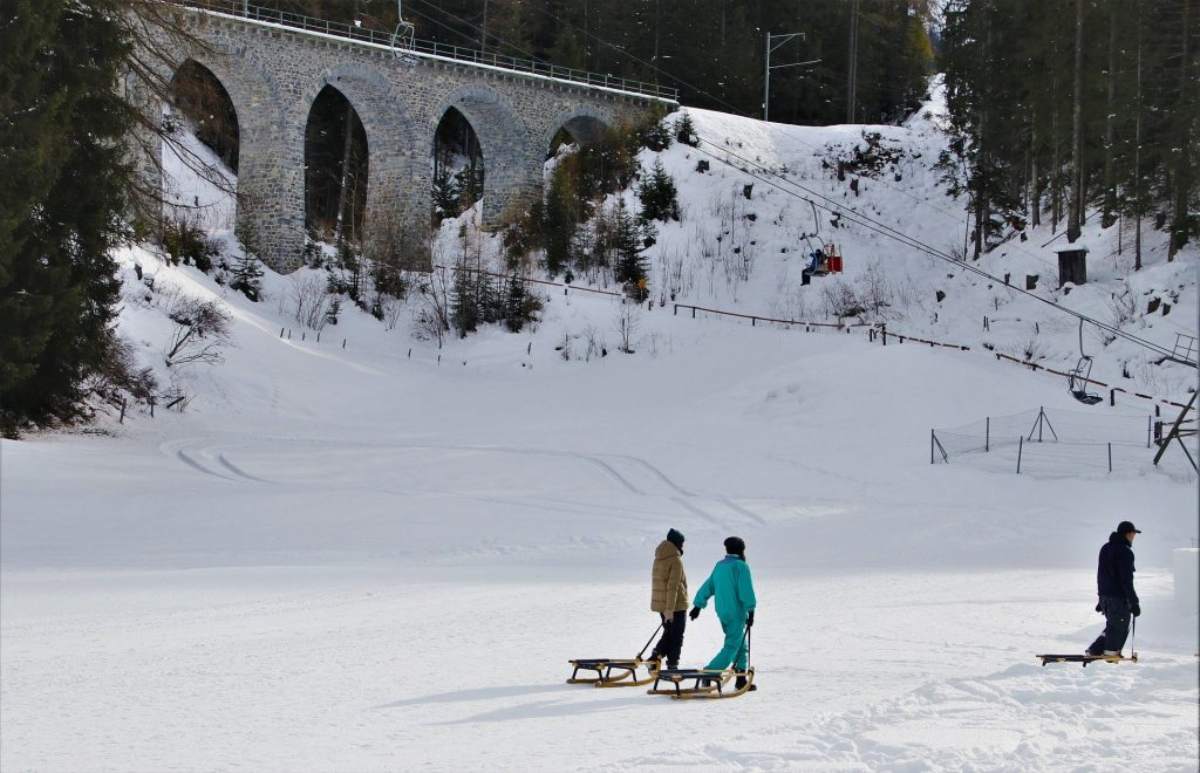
column 705, row 683
column 1085, row 659
column 614, row 672
column 617, row 672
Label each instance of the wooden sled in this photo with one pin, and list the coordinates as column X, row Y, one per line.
column 614, row 672
column 706, row 684
column 1085, row 659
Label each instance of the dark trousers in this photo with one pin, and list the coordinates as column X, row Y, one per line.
column 1116, row 630
column 671, row 643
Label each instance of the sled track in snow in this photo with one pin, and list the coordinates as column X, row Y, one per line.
column 209, row 456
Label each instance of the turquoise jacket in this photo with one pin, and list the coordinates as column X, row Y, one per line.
column 733, row 587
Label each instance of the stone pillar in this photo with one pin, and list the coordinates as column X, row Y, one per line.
column 271, row 189
column 512, row 175
column 399, row 197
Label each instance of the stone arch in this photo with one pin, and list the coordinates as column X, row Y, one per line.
column 244, row 85
column 511, row 165
column 396, row 184
column 196, row 88
column 584, row 123
column 337, row 168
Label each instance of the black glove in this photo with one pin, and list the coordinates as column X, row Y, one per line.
column 750, row 619
column 695, row 613
column 1136, row 609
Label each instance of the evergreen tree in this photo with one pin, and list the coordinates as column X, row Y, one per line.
column 1056, row 117
column 658, row 195
column 464, row 301
column 561, row 218
column 62, row 127
column 625, row 242
column 247, row 276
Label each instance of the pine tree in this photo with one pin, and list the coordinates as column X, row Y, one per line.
column 62, row 125
column 658, row 195
column 561, row 217
column 625, row 242
column 247, row 276
column 464, row 301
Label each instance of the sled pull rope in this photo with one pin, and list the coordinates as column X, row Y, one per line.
column 647, row 644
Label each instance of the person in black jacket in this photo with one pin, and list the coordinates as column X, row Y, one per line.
column 1114, row 583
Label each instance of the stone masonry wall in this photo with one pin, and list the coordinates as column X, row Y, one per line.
column 273, row 75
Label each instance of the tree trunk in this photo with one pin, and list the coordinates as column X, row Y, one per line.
column 852, row 64
column 1183, row 167
column 1110, row 185
column 344, row 183
column 1055, row 160
column 1137, row 147
column 1035, row 217
column 1075, row 216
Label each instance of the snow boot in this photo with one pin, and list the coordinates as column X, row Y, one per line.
column 740, row 684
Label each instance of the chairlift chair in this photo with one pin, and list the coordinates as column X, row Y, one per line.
column 404, row 36
column 1080, row 376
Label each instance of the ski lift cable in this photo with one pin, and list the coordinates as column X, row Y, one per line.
column 885, row 230
column 473, row 26
column 837, row 208
column 734, row 109
column 739, row 112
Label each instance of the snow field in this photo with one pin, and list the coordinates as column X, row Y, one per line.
column 381, row 556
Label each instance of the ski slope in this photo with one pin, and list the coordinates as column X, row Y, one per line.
column 381, row 556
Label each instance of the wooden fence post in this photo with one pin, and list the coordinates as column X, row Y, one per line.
column 1020, row 448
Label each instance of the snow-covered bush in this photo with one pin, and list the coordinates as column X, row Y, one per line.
column 201, row 329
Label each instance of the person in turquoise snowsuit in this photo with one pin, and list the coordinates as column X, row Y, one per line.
column 733, row 587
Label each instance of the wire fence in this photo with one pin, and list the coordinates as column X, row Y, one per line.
column 255, row 13
column 1059, row 443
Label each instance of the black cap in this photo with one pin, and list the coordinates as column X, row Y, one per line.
column 735, row 546
column 675, row 537
column 1124, row 527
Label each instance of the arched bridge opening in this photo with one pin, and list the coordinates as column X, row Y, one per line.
column 458, row 166
column 336, row 167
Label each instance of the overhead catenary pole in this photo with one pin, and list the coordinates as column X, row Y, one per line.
column 768, row 47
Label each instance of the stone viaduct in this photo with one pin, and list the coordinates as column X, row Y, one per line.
column 274, row 67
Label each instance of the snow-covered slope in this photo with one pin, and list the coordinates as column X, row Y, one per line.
column 746, row 253
column 366, row 552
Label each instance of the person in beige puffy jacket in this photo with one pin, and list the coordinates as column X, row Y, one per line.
column 669, row 597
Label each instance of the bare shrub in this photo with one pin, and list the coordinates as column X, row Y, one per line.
column 117, row 377
column 201, row 329
column 310, row 300
column 595, row 343
column 391, row 310
column 874, row 291
column 840, row 300
column 1122, row 306
column 626, row 325
column 1033, row 350
column 431, row 320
